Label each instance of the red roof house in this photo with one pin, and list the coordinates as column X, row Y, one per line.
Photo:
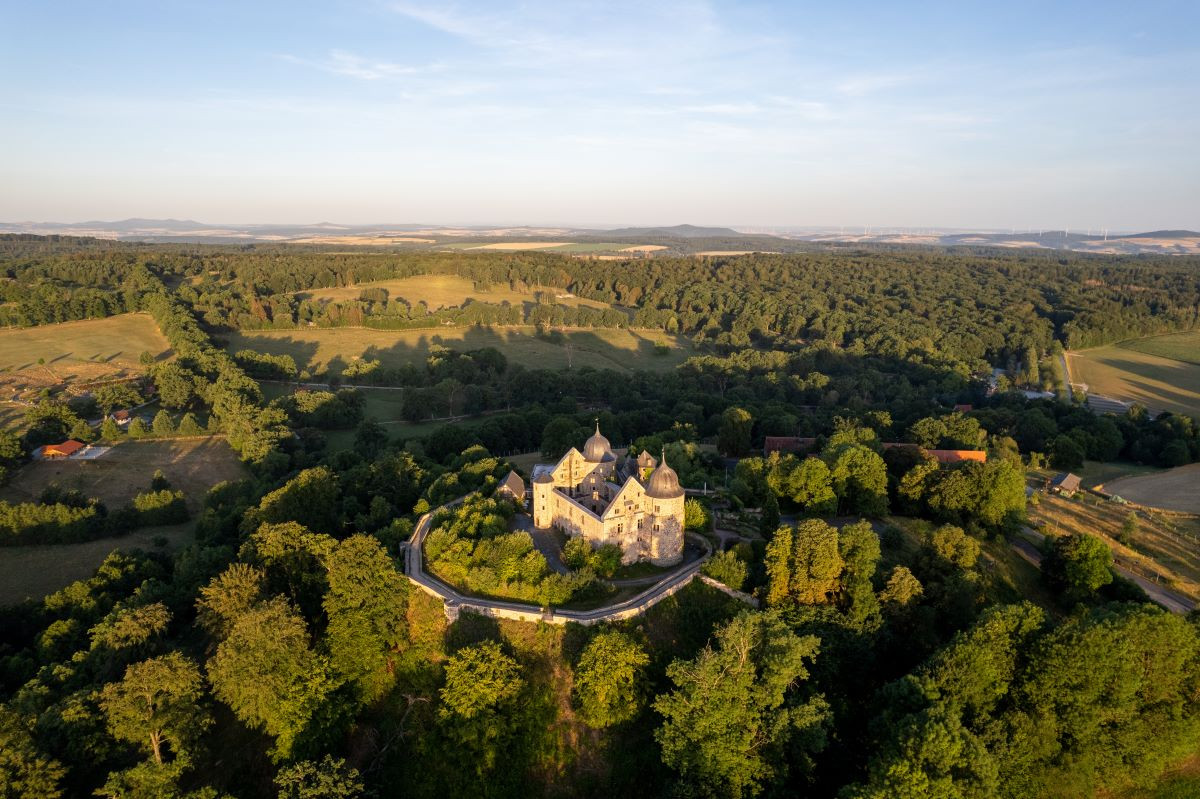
column 63, row 450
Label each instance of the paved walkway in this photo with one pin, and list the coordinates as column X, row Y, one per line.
column 455, row 602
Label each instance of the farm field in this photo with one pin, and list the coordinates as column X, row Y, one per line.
column 443, row 291
column 91, row 349
column 318, row 349
column 1174, row 489
column 553, row 246
column 1176, row 346
column 1160, row 384
column 192, row 465
column 1162, row 545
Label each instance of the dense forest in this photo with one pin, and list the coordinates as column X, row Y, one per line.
column 283, row 652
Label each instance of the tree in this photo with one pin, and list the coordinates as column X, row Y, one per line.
column 482, row 686
column 137, row 428
column 560, row 434
column 162, row 425
column 735, row 708
column 328, row 779
column 156, row 702
column 810, row 486
column 695, row 516
column 370, row 438
column 228, row 596
column 1077, row 566
column 176, row 385
column 733, row 436
column 817, row 564
column 312, row 499
column 1129, row 529
column 366, row 604
column 608, row 685
column 1066, row 453
column 902, row 588
column 188, row 426
column 25, row 773
column 110, row 430
column 112, row 396
column 858, row 546
column 768, row 522
column 727, row 568
column 268, row 674
column 778, row 563
column 859, row 478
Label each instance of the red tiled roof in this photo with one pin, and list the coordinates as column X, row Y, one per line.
column 67, row 448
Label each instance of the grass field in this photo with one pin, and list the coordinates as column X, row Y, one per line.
column 1176, row 346
column 318, row 349
column 444, row 291
column 1174, row 489
column 86, row 350
column 1170, row 546
column 1125, row 374
column 34, row 572
column 192, row 465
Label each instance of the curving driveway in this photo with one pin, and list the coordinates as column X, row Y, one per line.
column 455, row 601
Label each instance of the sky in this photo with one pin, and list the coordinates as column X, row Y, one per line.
column 751, row 114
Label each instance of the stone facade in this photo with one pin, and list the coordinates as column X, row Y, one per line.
column 637, row 505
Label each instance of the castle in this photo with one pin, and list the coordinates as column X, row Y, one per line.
column 635, row 504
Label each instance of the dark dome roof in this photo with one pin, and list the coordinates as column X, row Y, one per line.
column 664, row 483
column 597, row 449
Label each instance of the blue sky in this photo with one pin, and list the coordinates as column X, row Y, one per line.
column 956, row 114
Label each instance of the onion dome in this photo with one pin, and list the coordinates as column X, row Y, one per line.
column 663, row 482
column 597, row 449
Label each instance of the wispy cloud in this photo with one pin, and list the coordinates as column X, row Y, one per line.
column 350, row 65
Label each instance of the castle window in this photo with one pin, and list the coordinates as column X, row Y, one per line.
column 656, row 528
column 657, row 509
column 618, row 529
column 640, row 523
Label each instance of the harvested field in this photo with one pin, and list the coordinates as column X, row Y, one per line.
column 446, row 291
column 192, row 465
column 74, row 352
column 1160, row 384
column 645, row 248
column 319, row 349
column 1175, row 489
column 518, row 245
column 717, row 253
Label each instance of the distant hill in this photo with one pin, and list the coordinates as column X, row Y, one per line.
column 675, row 232
column 1164, row 234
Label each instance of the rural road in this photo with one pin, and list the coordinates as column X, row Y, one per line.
column 415, row 571
column 1067, row 377
column 1172, row 601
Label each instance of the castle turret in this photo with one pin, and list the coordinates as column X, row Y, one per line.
column 666, row 496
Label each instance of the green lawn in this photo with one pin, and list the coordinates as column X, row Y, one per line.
column 1176, row 346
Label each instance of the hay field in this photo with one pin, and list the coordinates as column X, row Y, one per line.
column 192, row 465
column 89, row 349
column 444, row 291
column 318, row 349
column 1161, row 384
column 1170, row 546
column 1176, row 346
column 1175, row 489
